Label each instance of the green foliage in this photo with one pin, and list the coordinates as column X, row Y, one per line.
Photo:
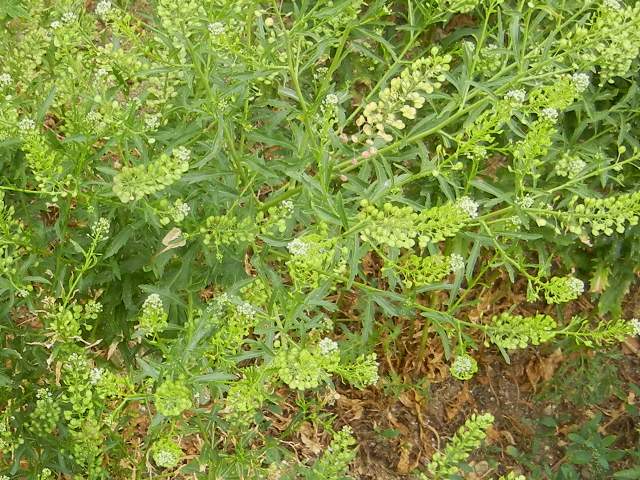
column 510, row 331
column 416, row 271
column 212, row 212
column 464, row 367
column 166, row 453
column 469, row 437
column 172, row 398
column 134, row 183
column 605, row 215
column 334, row 462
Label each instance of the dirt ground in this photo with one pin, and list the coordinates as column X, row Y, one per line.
column 398, row 430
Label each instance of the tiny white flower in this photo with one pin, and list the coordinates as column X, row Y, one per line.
column 268, row 22
column 41, row 394
column 69, row 17
column 327, row 346
column 526, row 201
column 635, row 323
column 576, row 285
column 288, row 205
column 456, row 262
column 550, row 113
column 581, row 81
column 180, row 210
column 55, row 25
column 96, row 375
column 26, row 124
column 613, row 4
column 468, row 44
column 469, row 205
column 247, row 309
column 102, row 72
column 518, row 96
column 94, row 117
column 153, row 301
column 216, row 28
column 332, row 99
column 164, row 457
column 5, row 80
column 103, row 8
column 298, row 247
column 152, row 120
column 463, row 367
column 182, row 153
column 100, row 229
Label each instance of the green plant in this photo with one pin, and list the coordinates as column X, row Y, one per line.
column 217, row 214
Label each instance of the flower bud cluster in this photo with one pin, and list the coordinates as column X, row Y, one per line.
column 405, row 95
column 562, row 289
column 511, row 331
column 166, row 453
column 172, row 398
column 401, row 227
column 604, row 215
column 153, row 319
column 464, row 367
column 569, row 166
column 134, row 183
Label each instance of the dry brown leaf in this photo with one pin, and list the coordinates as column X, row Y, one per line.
column 542, row 369
column 453, row 408
column 309, row 437
column 351, row 408
column 405, row 463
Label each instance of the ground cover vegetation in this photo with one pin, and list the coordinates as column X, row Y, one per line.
column 314, row 239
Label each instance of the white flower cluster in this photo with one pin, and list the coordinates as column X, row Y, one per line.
column 5, row 80
column 26, row 125
column 456, row 262
column 581, row 81
column 96, row 375
column 288, row 205
column 41, row 394
column 153, row 302
column 182, row 153
column 216, row 28
column 550, row 113
column 103, row 8
column 464, row 367
column 576, row 285
column 298, row 247
column 327, row 346
column 469, row 205
column 612, row 4
column 75, row 362
column 180, row 210
column 635, row 323
column 332, row 99
column 69, row 17
column 526, row 201
column 517, row 96
column 165, row 457
column 569, row 166
column 152, row 120
column 246, row 309
column 100, row 229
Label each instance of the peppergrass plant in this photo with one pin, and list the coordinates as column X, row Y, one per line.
column 190, row 191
